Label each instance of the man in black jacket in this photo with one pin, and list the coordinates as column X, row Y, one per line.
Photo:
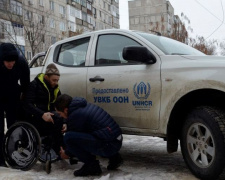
column 91, row 131
column 39, row 104
column 13, row 68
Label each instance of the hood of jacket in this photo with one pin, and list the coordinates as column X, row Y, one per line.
column 77, row 102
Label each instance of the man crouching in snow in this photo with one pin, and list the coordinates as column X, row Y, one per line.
column 90, row 131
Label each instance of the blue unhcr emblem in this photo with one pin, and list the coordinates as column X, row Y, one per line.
column 142, row 90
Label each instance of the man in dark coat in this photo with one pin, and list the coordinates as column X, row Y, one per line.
column 91, row 131
column 39, row 104
column 13, row 68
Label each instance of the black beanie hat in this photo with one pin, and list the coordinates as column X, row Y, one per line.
column 8, row 52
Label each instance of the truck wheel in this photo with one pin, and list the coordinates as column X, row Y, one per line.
column 203, row 142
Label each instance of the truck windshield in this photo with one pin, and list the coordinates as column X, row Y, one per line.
column 170, row 46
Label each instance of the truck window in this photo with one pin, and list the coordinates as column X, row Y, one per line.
column 110, row 48
column 73, row 53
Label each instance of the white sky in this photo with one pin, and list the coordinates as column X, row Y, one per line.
column 205, row 16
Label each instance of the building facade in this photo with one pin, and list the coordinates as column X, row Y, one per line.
column 151, row 15
column 33, row 25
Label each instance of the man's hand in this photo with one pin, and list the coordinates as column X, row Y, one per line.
column 63, row 154
column 48, row 117
column 64, row 128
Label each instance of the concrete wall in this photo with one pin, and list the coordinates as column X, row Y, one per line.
column 145, row 15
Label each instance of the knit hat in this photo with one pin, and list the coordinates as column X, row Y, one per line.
column 8, row 52
column 52, row 70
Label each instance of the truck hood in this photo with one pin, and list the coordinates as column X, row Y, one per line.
column 205, row 58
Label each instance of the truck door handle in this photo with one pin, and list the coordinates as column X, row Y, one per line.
column 97, row 78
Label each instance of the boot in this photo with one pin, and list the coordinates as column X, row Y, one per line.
column 73, row 160
column 92, row 169
column 114, row 162
column 3, row 164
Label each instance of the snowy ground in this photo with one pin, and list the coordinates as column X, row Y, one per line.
column 145, row 158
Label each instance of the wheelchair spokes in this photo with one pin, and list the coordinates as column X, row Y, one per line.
column 21, row 146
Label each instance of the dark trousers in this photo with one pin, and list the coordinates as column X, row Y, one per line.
column 10, row 109
column 50, row 130
column 85, row 146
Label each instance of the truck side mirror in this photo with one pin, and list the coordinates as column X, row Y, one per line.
column 138, row 53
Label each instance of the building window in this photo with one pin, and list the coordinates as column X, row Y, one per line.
column 106, row 18
column 18, row 29
column 108, row 7
column 72, row 11
column 110, row 20
column 93, row 10
column 28, row 15
column 77, row 1
column 2, row 4
column 52, row 23
column 30, row 36
column 72, row 26
column 89, row 19
column 62, row 26
column 43, row 38
column 78, row 13
column 21, row 50
column 51, row 5
column 53, row 39
column 29, row 55
column 93, row 22
column 83, row 3
column 89, row 6
column 41, row 2
column 16, row 8
column 84, row 16
column 40, row 19
column 62, row 10
column 30, row 2
column 7, row 27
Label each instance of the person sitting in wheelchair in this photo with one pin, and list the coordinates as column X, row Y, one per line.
column 39, row 106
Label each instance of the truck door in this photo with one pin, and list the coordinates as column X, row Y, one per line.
column 71, row 63
column 130, row 92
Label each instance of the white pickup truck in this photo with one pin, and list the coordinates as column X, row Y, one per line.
column 151, row 85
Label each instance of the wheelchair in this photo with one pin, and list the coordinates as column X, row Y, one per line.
column 23, row 147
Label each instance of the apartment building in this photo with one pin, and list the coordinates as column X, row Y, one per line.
column 11, row 30
column 151, row 15
column 106, row 14
column 33, row 25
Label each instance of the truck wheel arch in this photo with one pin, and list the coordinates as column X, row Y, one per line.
column 191, row 100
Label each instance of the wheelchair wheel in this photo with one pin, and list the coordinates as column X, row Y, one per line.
column 21, row 146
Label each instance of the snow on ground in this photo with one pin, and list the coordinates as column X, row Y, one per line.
column 145, row 158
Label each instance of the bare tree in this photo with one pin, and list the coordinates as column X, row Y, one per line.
column 180, row 32
column 200, row 43
column 21, row 22
column 222, row 47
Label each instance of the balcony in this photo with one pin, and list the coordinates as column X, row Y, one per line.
column 79, row 21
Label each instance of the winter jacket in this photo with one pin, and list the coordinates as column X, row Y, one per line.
column 89, row 118
column 40, row 97
column 10, row 88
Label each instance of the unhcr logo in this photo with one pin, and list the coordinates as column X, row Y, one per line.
column 142, row 90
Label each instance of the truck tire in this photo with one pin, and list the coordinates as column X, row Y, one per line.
column 203, row 142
